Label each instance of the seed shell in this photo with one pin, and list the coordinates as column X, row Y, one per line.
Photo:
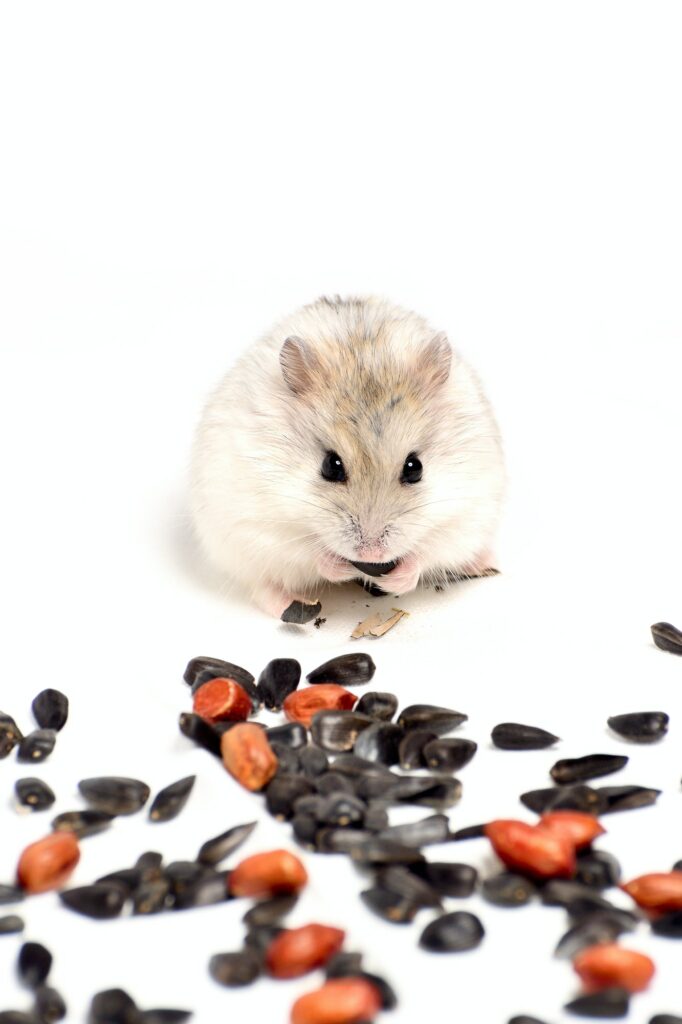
column 34, row 963
column 82, row 823
column 313, row 761
column 667, row 637
column 640, row 726
column 515, row 736
column 206, row 891
column 34, row 793
column 525, row 1019
column 16, row 1017
column 283, row 791
column 382, row 851
column 151, row 897
column 346, row 670
column 470, row 832
column 170, row 801
column 508, row 890
column 429, row 716
column 269, row 912
column 406, row 883
column 127, row 880
column 665, row 1018
column 569, row 798
column 448, row 755
column 114, row 794
column 278, row 679
column 37, row 745
column 598, row 869
column 102, row 900
column 592, row 766
column 10, row 894
column 378, row 704
column 164, row 1016
column 213, row 851
column 10, row 735
column 51, row 709
column 438, row 791
column 452, row 933
column 11, row 924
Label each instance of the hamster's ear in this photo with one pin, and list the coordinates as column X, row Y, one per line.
column 434, row 362
column 298, row 362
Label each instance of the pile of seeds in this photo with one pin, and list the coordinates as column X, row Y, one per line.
column 50, row 710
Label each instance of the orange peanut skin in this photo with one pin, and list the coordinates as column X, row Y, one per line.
column 532, row 849
column 580, row 828
column 658, row 892
column 301, row 705
column 248, row 756
column 608, row 965
column 275, row 873
column 339, row 1001
column 48, row 863
column 222, row 700
column 297, row 951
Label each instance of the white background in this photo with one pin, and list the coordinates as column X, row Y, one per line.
column 176, row 176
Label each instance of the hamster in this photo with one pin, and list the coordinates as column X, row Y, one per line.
column 351, row 441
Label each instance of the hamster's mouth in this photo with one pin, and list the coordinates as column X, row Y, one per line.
column 376, row 568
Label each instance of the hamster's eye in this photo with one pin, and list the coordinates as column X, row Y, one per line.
column 333, row 469
column 412, row 470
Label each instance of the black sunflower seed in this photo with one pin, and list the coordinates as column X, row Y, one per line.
column 200, row 732
column 677, row 866
column 566, row 798
column 11, row 924
column 592, row 766
column 114, row 794
column 287, row 759
column 340, row 966
column 102, row 900
column 559, row 892
column 525, row 1019
column 452, row 933
column 149, row 864
column 49, row 1005
column 206, row 891
column 34, row 964
column 434, row 829
column 667, row 637
column 373, row 787
column 458, row 880
column 34, row 793
column 235, row 969
column 293, row 735
column 16, row 1017
column 342, row 809
column 313, row 761
column 169, row 801
column 508, row 890
column 343, row 964
column 378, row 704
column 82, row 823
column 283, row 791
column 448, row 755
column 665, row 1018
column 260, row 937
column 411, row 749
column 333, row 782
column 626, row 798
column 269, row 912
column 598, row 869
column 341, row 840
column 610, row 1003
column 592, row 931
column 404, row 882
column 305, row 829
column 338, row 730
column 430, row 716
column 376, row 816
column 164, row 1016
column 37, row 745
column 113, row 1006
column 470, row 832
column 10, row 894
column 151, row 897
column 668, row 925
column 10, row 735
column 390, row 905
column 438, row 791
column 382, row 851
column 357, row 767
column 514, row 736
column 311, row 804
column 278, row 679
column 584, row 910
column 182, row 874
column 51, row 709
column 200, row 670
column 346, row 670
column 640, row 726
column 217, row 849
column 380, row 742
column 127, row 880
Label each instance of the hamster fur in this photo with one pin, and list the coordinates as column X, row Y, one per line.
column 374, row 383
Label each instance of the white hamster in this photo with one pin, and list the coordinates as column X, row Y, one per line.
column 350, row 441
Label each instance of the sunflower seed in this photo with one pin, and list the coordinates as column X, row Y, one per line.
column 626, row 798
column 372, row 787
column 592, row 766
column 217, row 849
column 376, row 816
column 380, row 742
column 598, row 869
column 204, row 892
column 458, row 880
column 169, row 801
column 16, row 1017
column 378, row 704
column 102, row 900
column 404, row 882
column 668, row 925
column 269, row 912
column 127, row 880
column 34, row 964
column 114, row 794
column 439, row 791
column 11, row 924
column 470, row 832
column 49, row 1005
column 610, row 1003
column 200, row 670
column 10, row 735
column 410, row 751
column 151, row 897
column 389, row 905
column 200, row 732
column 430, row 716
column 305, row 829
column 667, row 637
column 640, row 726
column 508, row 890
column 287, row 759
column 343, row 964
column 342, row 809
column 434, row 829
column 561, row 893
column 677, row 866
column 338, row 730
column 278, row 679
column 452, row 933
column 448, row 755
column 383, row 851
column 313, row 761
column 182, row 874
column 34, row 793
column 341, row 840
column 333, row 782
column 293, row 735
column 37, row 745
column 164, row 1016
column 113, row 1006
column 567, row 798
column 514, row 736
column 51, row 709
column 282, row 792
column 525, row 1019
column 10, row 894
column 357, row 767
column 665, row 1018
column 82, row 823
column 311, row 804
column 149, row 864
column 346, row 670
column 590, row 932
column 584, row 910
column 235, row 969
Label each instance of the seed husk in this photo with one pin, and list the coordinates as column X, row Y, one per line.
column 591, row 931
column 610, row 1003
column 11, row 924
column 37, row 745
column 432, row 717
column 508, row 890
column 347, row 670
column 598, row 869
column 114, row 794
column 269, row 912
column 378, row 704
column 338, row 730
column 515, row 736
column 169, row 801
column 34, row 964
column 48, row 863
column 49, row 1005
column 470, row 832
column 626, row 798
column 668, row 925
column 640, row 726
column 667, row 637
column 213, row 851
column 313, row 761
column 283, row 791
column 592, row 766
column 449, row 879
column 410, row 886
column 235, row 969
column 103, row 900
column 10, row 734
column 278, row 679
column 34, row 793
column 380, row 742
column 390, row 905
column 113, row 1006
column 151, row 897
column 411, row 749
column 51, row 709
column 448, row 755
column 293, row 735
column 434, row 829
column 82, row 823
column 452, row 933
column 200, row 670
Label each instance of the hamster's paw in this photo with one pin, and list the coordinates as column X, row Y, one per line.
column 287, row 607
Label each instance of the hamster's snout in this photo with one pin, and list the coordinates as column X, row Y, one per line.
column 375, row 568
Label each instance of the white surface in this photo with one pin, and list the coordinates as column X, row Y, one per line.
column 176, row 176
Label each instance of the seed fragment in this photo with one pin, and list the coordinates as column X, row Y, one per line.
column 114, row 794
column 49, row 1005
column 448, row 879
column 449, row 755
column 102, row 900
column 222, row 700
column 378, row 704
column 213, row 851
column 658, row 891
column 609, row 965
column 235, row 969
column 10, row 735
column 82, row 823
column 200, row 732
column 641, row 726
column 338, row 1001
column 276, row 873
column 380, row 742
column 11, row 924
column 34, row 963
column 452, row 933
column 200, row 670
column 667, row 637
column 278, row 679
column 430, row 716
column 169, row 801
column 302, row 705
column 626, row 798
column 390, row 906
column 514, row 736
column 37, row 745
column 48, row 863
column 346, row 670
column 248, row 756
column 592, row 766
column 338, row 730
column 668, row 925
column 508, row 890
column 51, row 709
column 34, row 793
column 532, row 849
column 610, row 1003
column 297, row 951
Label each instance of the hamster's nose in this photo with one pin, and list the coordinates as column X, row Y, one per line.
column 375, row 568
